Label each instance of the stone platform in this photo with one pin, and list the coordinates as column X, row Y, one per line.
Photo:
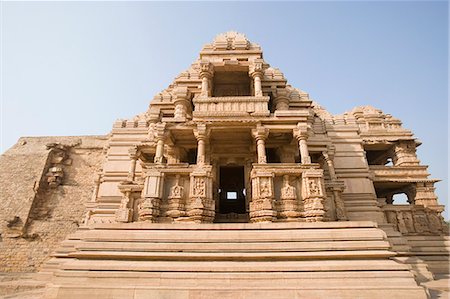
column 268, row 260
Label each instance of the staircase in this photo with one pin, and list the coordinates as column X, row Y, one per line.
column 234, row 260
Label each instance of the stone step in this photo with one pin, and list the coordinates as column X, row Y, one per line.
column 234, row 246
column 76, row 292
column 231, row 256
column 234, row 266
column 212, row 236
column 428, row 238
column 430, row 243
column 348, row 259
column 274, row 280
column 276, row 226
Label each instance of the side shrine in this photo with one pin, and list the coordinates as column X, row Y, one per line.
column 235, row 184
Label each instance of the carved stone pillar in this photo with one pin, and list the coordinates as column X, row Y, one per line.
column 313, row 194
column 133, row 154
column 206, row 74
column 152, row 194
column 201, row 133
column 201, row 206
column 160, row 137
column 181, row 102
column 425, row 195
column 126, row 209
column 257, row 73
column 336, row 187
column 262, row 202
column 176, row 207
column 260, row 134
column 301, row 134
column 288, row 206
column 281, row 100
column 123, row 214
column 404, row 153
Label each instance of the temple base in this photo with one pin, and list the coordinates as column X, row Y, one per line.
column 261, row 260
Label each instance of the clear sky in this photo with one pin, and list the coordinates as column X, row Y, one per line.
column 72, row 68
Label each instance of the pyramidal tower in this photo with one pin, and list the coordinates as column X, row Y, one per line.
column 233, row 184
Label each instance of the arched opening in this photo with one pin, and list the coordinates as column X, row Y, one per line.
column 400, row 199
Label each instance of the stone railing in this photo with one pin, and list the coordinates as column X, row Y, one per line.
column 287, row 192
column 383, row 173
column 231, row 106
column 169, row 193
column 415, row 219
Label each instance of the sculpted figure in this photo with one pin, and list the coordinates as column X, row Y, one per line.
column 177, row 190
column 265, row 188
column 401, row 224
column 288, row 191
column 314, row 188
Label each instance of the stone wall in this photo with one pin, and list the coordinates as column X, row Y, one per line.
column 44, row 183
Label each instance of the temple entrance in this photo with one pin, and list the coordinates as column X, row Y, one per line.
column 231, row 195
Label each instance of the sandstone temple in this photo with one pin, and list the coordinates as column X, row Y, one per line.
column 233, row 184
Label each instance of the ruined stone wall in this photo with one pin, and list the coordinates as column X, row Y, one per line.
column 44, row 183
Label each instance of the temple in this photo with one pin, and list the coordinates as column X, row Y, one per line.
column 235, row 184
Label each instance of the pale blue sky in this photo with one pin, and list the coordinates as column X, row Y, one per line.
column 72, row 68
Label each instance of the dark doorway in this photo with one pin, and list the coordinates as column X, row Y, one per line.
column 232, row 188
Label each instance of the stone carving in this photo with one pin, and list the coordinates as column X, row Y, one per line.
column 55, row 176
column 176, row 206
column 265, row 190
column 288, row 191
column 124, row 213
column 415, row 220
column 313, row 195
column 177, row 190
column 287, row 205
column 145, row 209
column 199, row 187
column 314, row 189
column 231, row 40
column 201, row 206
column 242, row 106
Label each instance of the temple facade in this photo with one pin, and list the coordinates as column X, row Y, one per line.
column 232, row 174
column 231, row 141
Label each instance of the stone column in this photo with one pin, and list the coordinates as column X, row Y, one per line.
column 201, row 206
column 124, row 213
column 181, row 102
column 152, row 194
column 257, row 73
column 404, row 153
column 262, row 204
column 206, row 74
column 281, row 100
column 133, row 154
column 260, row 134
column 201, row 133
column 160, row 136
column 425, row 194
column 301, row 134
column 313, row 194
